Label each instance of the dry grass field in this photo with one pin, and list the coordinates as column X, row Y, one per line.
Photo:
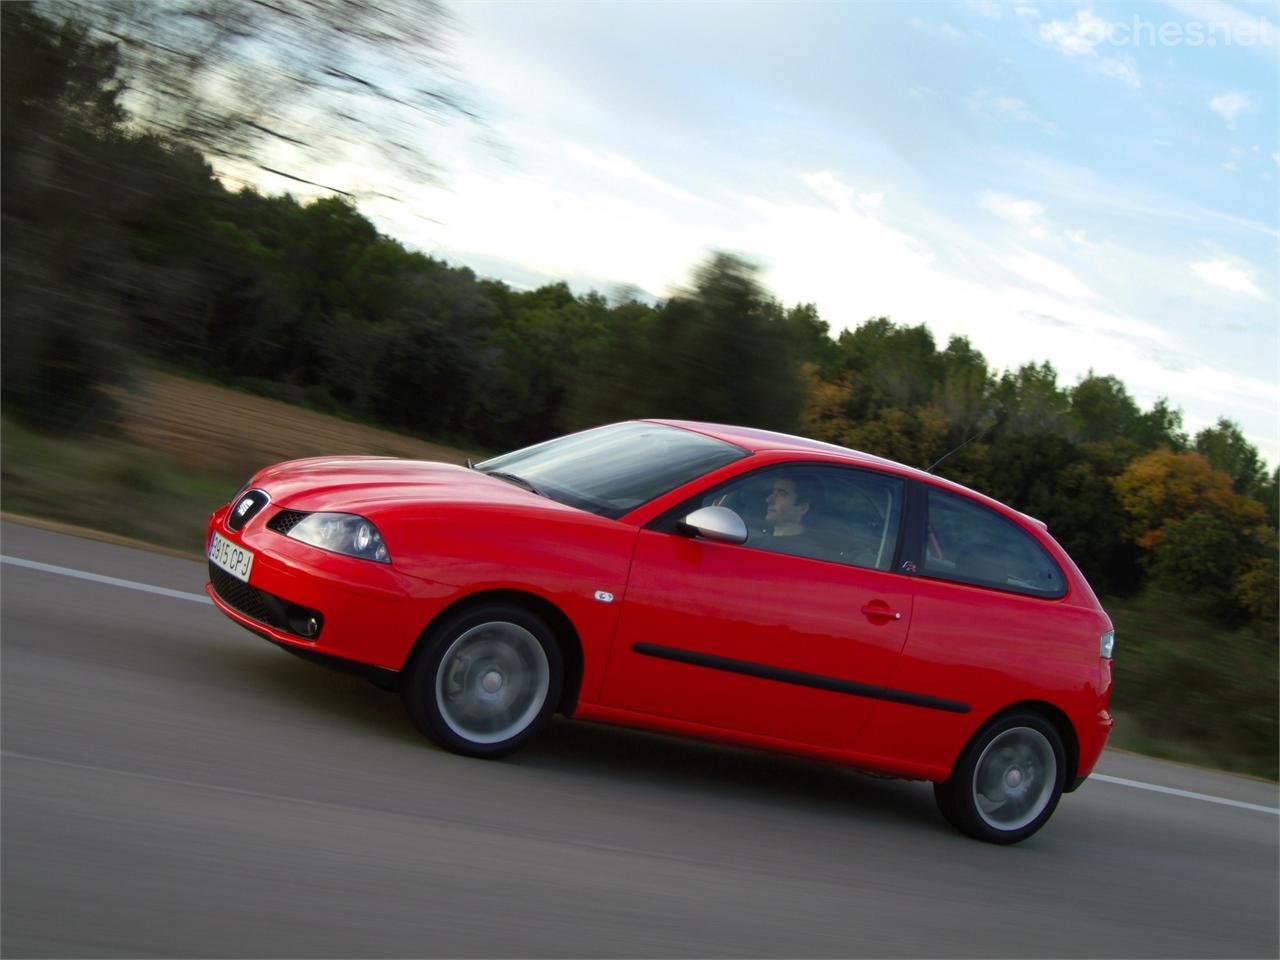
column 205, row 425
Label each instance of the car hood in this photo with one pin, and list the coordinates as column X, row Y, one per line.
column 372, row 485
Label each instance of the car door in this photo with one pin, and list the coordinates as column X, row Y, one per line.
column 990, row 628
column 750, row 638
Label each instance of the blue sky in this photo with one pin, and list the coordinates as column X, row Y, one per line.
column 1089, row 184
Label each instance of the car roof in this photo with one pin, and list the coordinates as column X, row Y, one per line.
column 757, row 440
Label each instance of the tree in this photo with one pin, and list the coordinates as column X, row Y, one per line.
column 284, row 86
column 1206, row 543
column 1101, row 409
column 1030, row 401
column 892, row 366
column 1226, row 449
column 964, row 395
column 1162, row 427
column 808, row 337
column 717, row 351
column 64, row 332
column 1164, row 486
column 611, row 383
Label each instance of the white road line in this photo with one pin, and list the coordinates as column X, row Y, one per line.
column 1138, row 785
column 110, row 581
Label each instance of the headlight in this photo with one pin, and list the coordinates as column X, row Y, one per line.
column 1108, row 645
column 342, row 533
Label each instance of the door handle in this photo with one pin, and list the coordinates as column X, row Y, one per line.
column 880, row 610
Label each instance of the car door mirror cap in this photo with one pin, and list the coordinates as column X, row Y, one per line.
column 715, row 523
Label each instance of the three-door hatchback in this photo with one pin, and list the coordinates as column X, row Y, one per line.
column 712, row 581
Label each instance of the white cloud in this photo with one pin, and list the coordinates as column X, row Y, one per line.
column 1081, row 36
column 620, row 167
column 986, row 8
column 1026, row 10
column 1022, row 212
column 1230, row 105
column 871, row 201
column 1048, row 274
column 1121, row 69
column 992, row 105
column 830, row 187
column 1078, row 36
column 1276, row 157
column 1230, row 166
column 1080, row 237
column 1224, row 274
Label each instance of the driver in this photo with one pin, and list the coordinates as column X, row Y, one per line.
column 791, row 508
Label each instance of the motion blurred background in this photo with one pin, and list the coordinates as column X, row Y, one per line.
column 174, row 319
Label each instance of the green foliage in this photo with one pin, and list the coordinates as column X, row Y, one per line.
column 1200, row 690
column 1198, row 557
column 1101, row 408
column 719, row 352
column 62, row 318
column 1030, row 401
column 1226, row 449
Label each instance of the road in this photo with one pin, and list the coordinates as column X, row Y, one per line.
column 174, row 786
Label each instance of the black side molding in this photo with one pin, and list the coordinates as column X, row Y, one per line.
column 796, row 677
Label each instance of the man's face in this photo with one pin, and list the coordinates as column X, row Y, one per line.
column 782, row 504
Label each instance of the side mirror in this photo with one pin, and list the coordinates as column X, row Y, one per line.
column 714, row 523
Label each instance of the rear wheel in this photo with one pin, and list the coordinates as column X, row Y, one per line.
column 485, row 680
column 1008, row 780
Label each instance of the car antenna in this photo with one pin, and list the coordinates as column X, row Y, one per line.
column 981, row 433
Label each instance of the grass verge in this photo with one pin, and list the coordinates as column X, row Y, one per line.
column 1194, row 690
column 111, row 485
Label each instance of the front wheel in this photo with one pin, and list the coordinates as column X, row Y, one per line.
column 1008, row 780
column 485, row 681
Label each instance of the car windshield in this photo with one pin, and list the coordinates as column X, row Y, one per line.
column 612, row 470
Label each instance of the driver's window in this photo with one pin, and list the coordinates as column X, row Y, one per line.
column 826, row 513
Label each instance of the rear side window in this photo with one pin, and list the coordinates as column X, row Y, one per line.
column 968, row 543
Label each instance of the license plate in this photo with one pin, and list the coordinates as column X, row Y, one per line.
column 237, row 561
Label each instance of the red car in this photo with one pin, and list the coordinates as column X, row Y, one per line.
column 720, row 582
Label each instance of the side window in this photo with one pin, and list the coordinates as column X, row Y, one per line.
column 844, row 515
column 969, row 543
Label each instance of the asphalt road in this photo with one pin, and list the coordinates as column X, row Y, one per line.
column 174, row 786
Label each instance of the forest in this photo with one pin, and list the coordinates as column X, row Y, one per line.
column 121, row 249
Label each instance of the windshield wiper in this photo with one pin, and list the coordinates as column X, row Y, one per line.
column 518, row 481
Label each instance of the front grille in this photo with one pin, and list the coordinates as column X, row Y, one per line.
column 285, row 520
column 264, row 607
column 246, row 508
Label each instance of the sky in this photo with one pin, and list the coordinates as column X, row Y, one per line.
column 1092, row 184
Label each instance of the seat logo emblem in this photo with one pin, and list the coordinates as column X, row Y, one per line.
column 244, row 506
column 604, row 596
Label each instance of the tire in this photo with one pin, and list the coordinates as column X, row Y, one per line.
column 1008, row 780
column 485, row 680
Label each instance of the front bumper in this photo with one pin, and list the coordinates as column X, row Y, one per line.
column 365, row 612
